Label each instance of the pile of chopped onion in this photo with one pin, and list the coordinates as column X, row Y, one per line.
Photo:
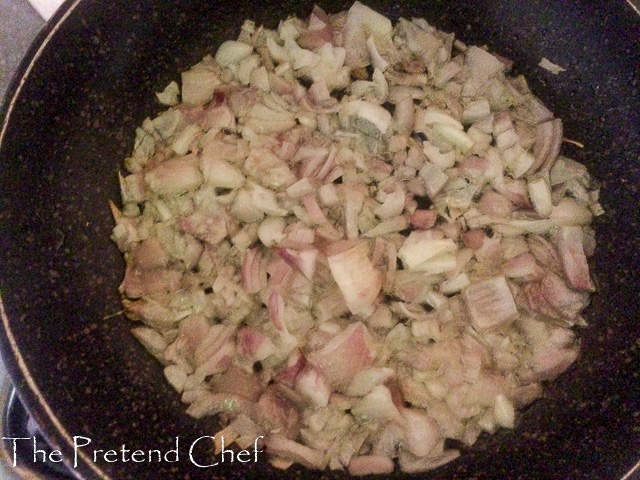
column 357, row 240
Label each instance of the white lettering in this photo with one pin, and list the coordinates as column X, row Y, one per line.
column 255, row 448
column 139, row 453
column 175, row 450
column 193, row 461
column 36, row 452
column 245, row 453
column 76, row 446
column 15, row 439
column 224, row 450
column 111, row 453
column 56, row 453
column 157, row 453
column 124, row 452
column 95, row 455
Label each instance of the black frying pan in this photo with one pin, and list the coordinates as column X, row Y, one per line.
column 70, row 114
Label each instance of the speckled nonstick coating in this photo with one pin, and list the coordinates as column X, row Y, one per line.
column 88, row 81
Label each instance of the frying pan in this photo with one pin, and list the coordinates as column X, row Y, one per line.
column 69, row 119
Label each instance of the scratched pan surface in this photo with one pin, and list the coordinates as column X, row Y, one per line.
column 88, row 81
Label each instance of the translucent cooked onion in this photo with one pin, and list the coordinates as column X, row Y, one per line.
column 355, row 240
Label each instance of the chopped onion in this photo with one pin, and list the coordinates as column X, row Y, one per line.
column 370, row 465
column 454, row 136
column 540, row 194
column 169, row 96
column 345, row 355
column 434, row 115
column 374, row 114
column 490, row 304
column 571, row 212
column 416, row 254
column 504, row 412
column 175, row 176
column 377, row 405
column 356, row 277
column 232, row 52
column 198, row 86
column 550, row 66
column 356, row 240
column 570, row 243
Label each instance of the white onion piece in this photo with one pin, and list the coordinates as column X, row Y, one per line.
column 266, row 121
column 271, row 231
column 490, row 304
column 300, row 188
column 175, row 176
column 404, row 116
column 504, row 411
column 232, row 52
column 198, row 86
column 169, row 96
column 377, row 405
column 219, row 173
column 303, row 260
column 421, row 432
column 411, row 464
column 345, row 355
column 313, row 386
column 454, row 136
column 366, row 380
column 152, row 341
column 244, row 208
column 364, row 110
column 376, row 59
column 455, row 285
column 389, row 225
column 416, row 255
column 540, row 194
column 246, row 67
column 481, row 63
column 432, row 115
column 434, row 179
column 571, row 212
column 370, row 465
column 356, row 277
column 392, row 206
column 264, row 199
column 476, row 111
column 182, row 142
column 569, row 241
column 442, row 160
column 362, row 22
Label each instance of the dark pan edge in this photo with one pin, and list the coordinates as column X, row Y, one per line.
column 26, row 386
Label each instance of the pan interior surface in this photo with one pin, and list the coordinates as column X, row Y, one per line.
column 89, row 81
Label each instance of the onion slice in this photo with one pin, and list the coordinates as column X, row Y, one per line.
column 358, row 280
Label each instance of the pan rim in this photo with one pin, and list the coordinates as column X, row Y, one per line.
column 19, row 373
